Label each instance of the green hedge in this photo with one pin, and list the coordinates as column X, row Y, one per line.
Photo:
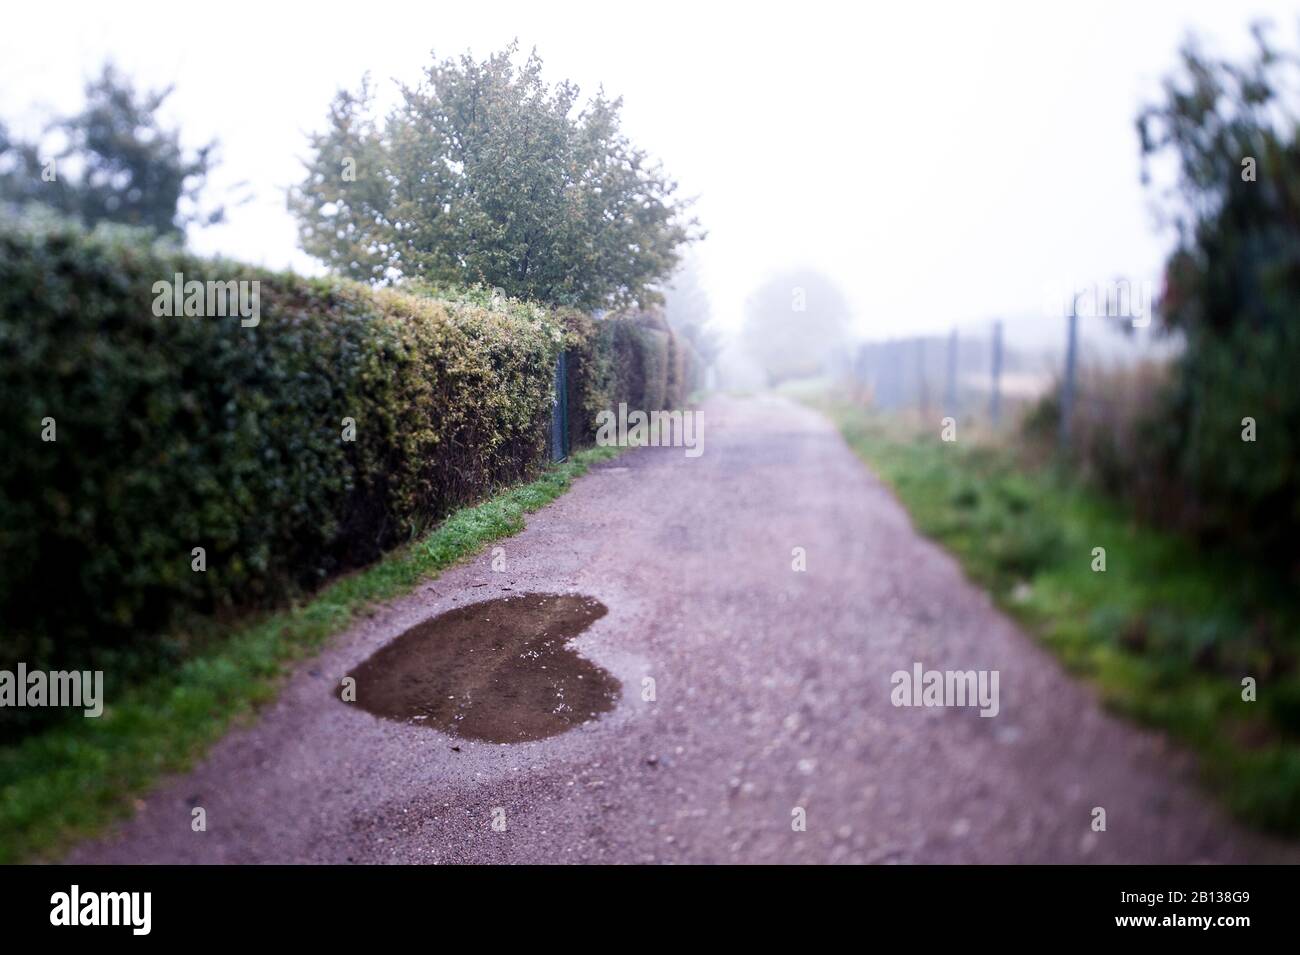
column 633, row 358
column 176, row 433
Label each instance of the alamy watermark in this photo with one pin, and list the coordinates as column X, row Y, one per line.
column 922, row 687
column 211, row 299
column 76, row 688
column 1119, row 299
column 639, row 429
column 130, row 909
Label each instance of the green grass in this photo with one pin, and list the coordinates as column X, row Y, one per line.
column 66, row 782
column 1166, row 633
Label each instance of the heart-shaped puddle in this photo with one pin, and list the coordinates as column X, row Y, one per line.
column 498, row 671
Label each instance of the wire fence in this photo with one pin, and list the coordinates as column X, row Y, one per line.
column 992, row 372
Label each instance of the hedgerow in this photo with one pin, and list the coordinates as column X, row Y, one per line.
column 175, row 433
column 634, row 358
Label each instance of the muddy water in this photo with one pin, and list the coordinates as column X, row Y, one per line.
column 498, row 671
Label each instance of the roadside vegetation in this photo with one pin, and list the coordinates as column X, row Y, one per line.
column 1167, row 632
column 1185, row 471
column 161, row 468
column 196, row 444
column 64, row 783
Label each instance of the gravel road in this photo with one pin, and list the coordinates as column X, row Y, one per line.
column 771, row 695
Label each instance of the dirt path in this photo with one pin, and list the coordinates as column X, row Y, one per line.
column 772, row 692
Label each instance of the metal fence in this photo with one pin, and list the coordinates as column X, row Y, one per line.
column 955, row 374
column 986, row 372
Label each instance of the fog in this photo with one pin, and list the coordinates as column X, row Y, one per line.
column 942, row 164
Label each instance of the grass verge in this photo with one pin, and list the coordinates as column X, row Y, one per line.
column 1167, row 633
column 66, row 782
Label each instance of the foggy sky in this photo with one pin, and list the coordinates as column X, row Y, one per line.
column 942, row 162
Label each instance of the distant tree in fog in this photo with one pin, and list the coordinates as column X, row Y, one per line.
column 794, row 322
column 686, row 304
column 112, row 162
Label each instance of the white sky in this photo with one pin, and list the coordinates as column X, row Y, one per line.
column 943, row 162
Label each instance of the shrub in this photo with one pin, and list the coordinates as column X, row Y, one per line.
column 591, row 386
column 176, row 433
column 185, row 432
column 1231, row 286
column 635, row 358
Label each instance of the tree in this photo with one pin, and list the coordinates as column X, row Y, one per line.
column 1232, row 286
column 794, row 322
column 686, row 305
column 485, row 175
column 117, row 163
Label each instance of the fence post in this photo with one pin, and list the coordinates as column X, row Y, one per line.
column 899, row 362
column 887, row 377
column 923, row 383
column 891, row 374
column 995, row 401
column 950, row 386
column 1067, row 381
